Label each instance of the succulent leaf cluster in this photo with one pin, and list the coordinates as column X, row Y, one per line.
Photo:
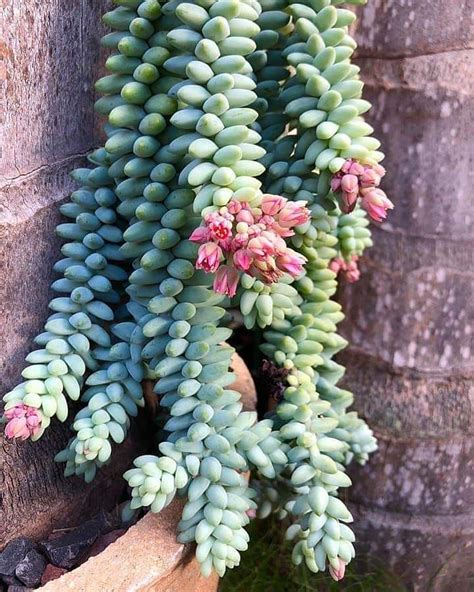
column 210, row 104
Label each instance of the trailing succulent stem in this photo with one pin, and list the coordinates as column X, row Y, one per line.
column 237, row 172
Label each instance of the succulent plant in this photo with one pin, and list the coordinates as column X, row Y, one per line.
column 237, row 172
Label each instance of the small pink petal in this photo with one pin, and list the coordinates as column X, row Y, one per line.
column 226, row 281
column 293, row 214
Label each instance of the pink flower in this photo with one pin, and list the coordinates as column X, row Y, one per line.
column 272, row 204
column 220, row 226
column 209, row 257
column 376, row 203
column 24, row 421
column 356, row 181
column 240, row 238
column 291, row 262
column 349, row 269
column 293, row 214
column 243, row 259
column 337, row 574
column 226, row 280
column 200, row 235
column 267, row 270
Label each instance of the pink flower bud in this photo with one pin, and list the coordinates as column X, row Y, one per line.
column 272, row 204
column 336, row 183
column 346, row 168
column 245, row 216
column 278, row 245
column 337, row 574
column 243, row 259
column 355, row 168
column 266, row 221
column 379, row 169
column 200, row 235
column 349, row 201
column 350, row 183
column 24, row 421
column 226, row 280
column 239, row 241
column 350, row 192
column 209, row 257
column 376, row 203
column 351, row 167
column 352, row 272
column 234, row 206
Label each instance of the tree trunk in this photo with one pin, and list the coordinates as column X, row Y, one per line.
column 48, row 64
column 409, row 319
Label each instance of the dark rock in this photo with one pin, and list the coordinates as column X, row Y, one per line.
column 11, row 581
column 13, row 554
column 30, row 570
column 18, row 589
column 68, row 549
column 52, row 572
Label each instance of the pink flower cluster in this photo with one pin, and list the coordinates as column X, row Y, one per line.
column 354, row 181
column 23, row 421
column 349, row 269
column 239, row 238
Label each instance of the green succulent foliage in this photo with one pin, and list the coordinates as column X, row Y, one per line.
column 206, row 102
column 322, row 108
column 352, row 234
column 92, row 280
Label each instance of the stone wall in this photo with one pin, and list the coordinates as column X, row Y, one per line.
column 409, row 319
column 49, row 60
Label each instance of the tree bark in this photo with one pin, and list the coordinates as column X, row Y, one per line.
column 48, row 65
column 409, row 319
